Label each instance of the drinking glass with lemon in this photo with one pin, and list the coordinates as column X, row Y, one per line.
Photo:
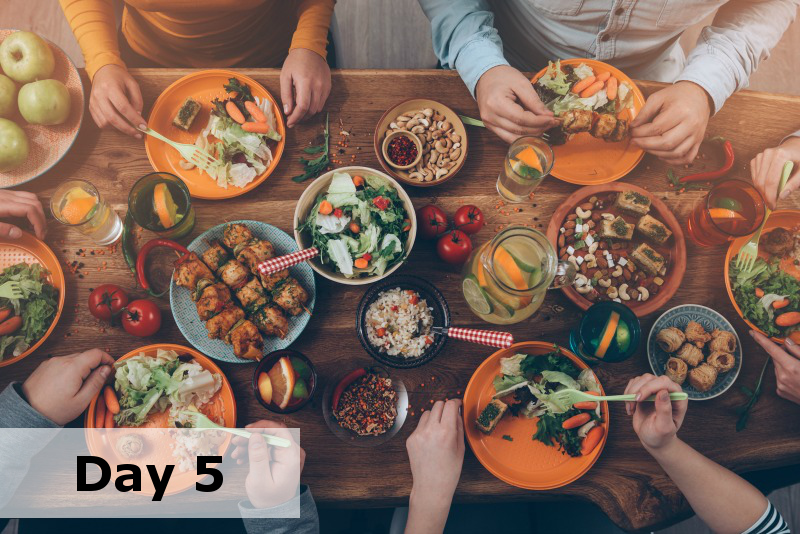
column 160, row 202
column 78, row 204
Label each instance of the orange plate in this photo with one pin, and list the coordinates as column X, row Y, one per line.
column 223, row 402
column 586, row 160
column 783, row 218
column 203, row 86
column 29, row 249
column 523, row 462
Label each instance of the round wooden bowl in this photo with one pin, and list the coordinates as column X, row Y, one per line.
column 677, row 260
column 309, row 198
column 414, row 105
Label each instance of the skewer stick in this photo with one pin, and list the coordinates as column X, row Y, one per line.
column 306, row 309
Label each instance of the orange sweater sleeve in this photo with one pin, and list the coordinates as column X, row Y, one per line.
column 313, row 21
column 95, row 28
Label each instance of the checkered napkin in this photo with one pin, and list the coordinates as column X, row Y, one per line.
column 501, row 340
column 284, row 262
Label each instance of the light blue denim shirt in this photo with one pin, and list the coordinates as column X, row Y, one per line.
column 638, row 37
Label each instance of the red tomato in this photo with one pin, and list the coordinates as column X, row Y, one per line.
column 141, row 318
column 454, row 247
column 432, row 221
column 106, row 301
column 469, row 219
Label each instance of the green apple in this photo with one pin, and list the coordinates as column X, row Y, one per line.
column 8, row 96
column 13, row 145
column 44, row 102
column 26, row 57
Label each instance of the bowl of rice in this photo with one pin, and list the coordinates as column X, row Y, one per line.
column 395, row 318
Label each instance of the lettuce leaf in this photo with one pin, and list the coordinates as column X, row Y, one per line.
column 555, row 79
column 342, row 191
column 340, row 255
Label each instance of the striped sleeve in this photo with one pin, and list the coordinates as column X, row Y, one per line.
column 770, row 523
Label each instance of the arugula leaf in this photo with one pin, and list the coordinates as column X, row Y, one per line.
column 315, row 166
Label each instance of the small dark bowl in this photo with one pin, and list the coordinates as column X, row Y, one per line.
column 266, row 364
column 434, row 299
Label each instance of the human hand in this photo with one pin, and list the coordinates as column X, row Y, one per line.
column 116, row 100
column 787, row 365
column 672, row 123
column 274, row 473
column 509, row 104
column 61, row 388
column 656, row 423
column 766, row 169
column 21, row 204
column 305, row 84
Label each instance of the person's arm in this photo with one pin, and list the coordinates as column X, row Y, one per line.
column 313, row 21
column 21, row 204
column 722, row 499
column 258, row 520
column 95, row 28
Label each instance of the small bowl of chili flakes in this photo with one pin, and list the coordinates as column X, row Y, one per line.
column 402, row 150
column 366, row 406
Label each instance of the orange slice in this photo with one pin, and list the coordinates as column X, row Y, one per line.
column 724, row 213
column 165, row 206
column 504, row 262
column 265, row 387
column 77, row 206
column 608, row 335
column 529, row 157
column 282, row 378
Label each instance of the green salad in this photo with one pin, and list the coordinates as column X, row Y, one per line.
column 359, row 225
column 26, row 319
column 765, row 294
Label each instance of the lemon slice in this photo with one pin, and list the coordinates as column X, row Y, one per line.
column 608, row 335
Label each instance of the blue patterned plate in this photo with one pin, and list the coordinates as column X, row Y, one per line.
column 185, row 312
column 679, row 317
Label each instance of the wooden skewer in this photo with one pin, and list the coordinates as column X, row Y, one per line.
column 306, row 309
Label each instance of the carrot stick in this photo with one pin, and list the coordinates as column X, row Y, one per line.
column 109, row 423
column 603, row 76
column 611, row 88
column 256, row 127
column 788, row 319
column 100, row 413
column 111, row 400
column 255, row 111
column 234, row 112
column 575, row 421
column 592, row 439
column 596, row 86
column 583, row 84
column 778, row 304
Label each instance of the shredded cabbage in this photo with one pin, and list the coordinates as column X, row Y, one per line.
column 583, row 71
column 339, row 253
column 331, row 224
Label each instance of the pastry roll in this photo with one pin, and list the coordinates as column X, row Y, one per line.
column 690, row 354
column 722, row 361
column 676, row 370
column 695, row 333
column 702, row 378
column 670, row 339
column 722, row 341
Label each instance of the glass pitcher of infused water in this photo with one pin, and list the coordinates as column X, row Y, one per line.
column 505, row 280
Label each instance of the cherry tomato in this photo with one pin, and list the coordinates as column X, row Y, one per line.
column 106, row 301
column 141, row 318
column 469, row 219
column 454, row 247
column 432, row 221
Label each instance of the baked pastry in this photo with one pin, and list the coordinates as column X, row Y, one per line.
column 186, row 115
column 491, row 415
column 691, row 354
column 653, row 229
column 703, row 377
column 722, row 341
column 676, row 370
column 648, row 259
column 633, row 203
column 722, row 361
column 670, row 339
column 695, row 333
column 616, row 229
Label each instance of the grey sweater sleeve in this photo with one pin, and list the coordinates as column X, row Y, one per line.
column 267, row 521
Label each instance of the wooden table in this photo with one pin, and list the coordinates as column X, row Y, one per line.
column 626, row 483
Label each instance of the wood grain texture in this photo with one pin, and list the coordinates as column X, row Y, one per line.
column 625, row 482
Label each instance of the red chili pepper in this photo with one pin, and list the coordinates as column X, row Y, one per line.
column 141, row 277
column 346, row 381
column 338, row 212
column 713, row 175
column 381, row 203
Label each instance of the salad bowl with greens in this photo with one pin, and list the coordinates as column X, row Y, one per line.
column 362, row 222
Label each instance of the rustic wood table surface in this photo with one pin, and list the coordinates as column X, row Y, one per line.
column 626, row 483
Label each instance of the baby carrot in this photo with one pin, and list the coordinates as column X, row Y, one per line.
column 583, row 84
column 575, row 421
column 759, row 292
column 587, row 405
column 358, row 181
column 255, row 111
column 592, row 439
column 109, row 423
column 795, row 336
column 611, row 88
column 100, row 413
column 256, row 127
column 596, row 86
column 111, row 400
column 603, row 76
column 788, row 319
column 361, row 263
column 4, row 313
column 234, row 112
column 778, row 304
column 9, row 326
column 325, row 207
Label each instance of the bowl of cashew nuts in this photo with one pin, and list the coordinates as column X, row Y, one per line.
column 442, row 136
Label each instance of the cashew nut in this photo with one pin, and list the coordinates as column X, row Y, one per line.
column 612, row 292
column 591, row 261
column 581, row 280
column 617, row 272
column 593, row 247
column 455, row 153
column 583, row 214
column 605, row 282
column 418, row 129
column 441, row 172
column 608, row 216
column 415, row 176
column 428, row 112
column 584, row 289
column 623, row 292
column 644, row 293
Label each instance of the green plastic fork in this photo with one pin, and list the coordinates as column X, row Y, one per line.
column 11, row 290
column 191, row 153
column 201, row 421
column 568, row 397
column 746, row 258
column 479, row 123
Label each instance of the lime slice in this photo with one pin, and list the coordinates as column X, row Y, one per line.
column 728, row 203
column 300, row 390
column 623, row 336
column 501, row 310
column 476, row 296
column 301, row 368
